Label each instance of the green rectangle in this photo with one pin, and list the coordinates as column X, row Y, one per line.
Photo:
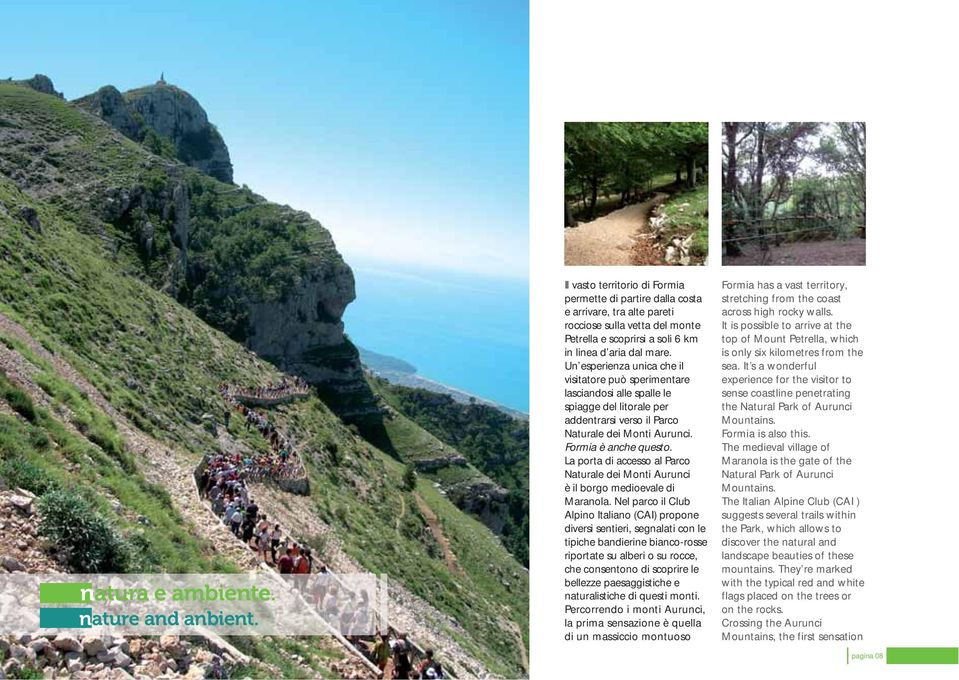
column 63, row 617
column 922, row 655
column 62, row 593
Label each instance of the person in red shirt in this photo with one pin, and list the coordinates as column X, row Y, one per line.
column 285, row 563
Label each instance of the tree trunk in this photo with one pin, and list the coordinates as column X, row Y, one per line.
column 691, row 172
column 570, row 222
column 778, row 236
column 729, row 181
column 757, row 202
column 729, row 189
column 679, row 174
column 759, row 206
column 594, row 188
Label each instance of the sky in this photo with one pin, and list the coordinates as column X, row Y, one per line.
column 401, row 126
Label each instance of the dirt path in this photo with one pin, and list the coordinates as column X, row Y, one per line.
column 851, row 252
column 610, row 240
column 433, row 521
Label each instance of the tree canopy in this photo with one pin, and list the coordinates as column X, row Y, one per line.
column 625, row 157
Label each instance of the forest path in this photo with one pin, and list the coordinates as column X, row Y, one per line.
column 612, row 239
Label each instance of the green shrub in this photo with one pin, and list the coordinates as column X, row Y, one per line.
column 19, row 400
column 27, row 475
column 700, row 244
column 409, row 477
column 91, row 543
column 159, row 144
column 39, row 439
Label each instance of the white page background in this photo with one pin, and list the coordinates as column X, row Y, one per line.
column 891, row 66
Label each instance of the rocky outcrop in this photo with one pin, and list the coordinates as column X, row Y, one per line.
column 303, row 335
column 440, row 462
column 483, row 498
column 308, row 322
column 171, row 113
column 109, row 104
column 303, row 332
column 40, row 83
column 164, row 199
column 113, row 656
column 21, row 546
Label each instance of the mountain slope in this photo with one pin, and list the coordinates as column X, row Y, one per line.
column 492, row 442
column 268, row 276
column 85, row 289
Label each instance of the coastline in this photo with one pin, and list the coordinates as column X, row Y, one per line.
column 417, row 381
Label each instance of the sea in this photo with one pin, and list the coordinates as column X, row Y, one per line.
column 467, row 331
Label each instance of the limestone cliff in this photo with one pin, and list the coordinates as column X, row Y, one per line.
column 144, row 209
column 109, row 104
column 483, row 498
column 289, row 311
column 171, row 113
column 303, row 334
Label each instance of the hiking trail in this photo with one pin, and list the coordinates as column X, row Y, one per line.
column 613, row 238
column 434, row 523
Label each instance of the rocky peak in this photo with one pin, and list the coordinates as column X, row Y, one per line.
column 171, row 113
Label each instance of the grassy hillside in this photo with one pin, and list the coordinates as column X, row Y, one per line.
column 85, row 471
column 79, row 287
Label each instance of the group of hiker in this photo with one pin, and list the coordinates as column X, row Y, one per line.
column 288, row 387
column 284, row 461
column 223, row 484
column 223, row 481
column 399, row 651
column 229, row 496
